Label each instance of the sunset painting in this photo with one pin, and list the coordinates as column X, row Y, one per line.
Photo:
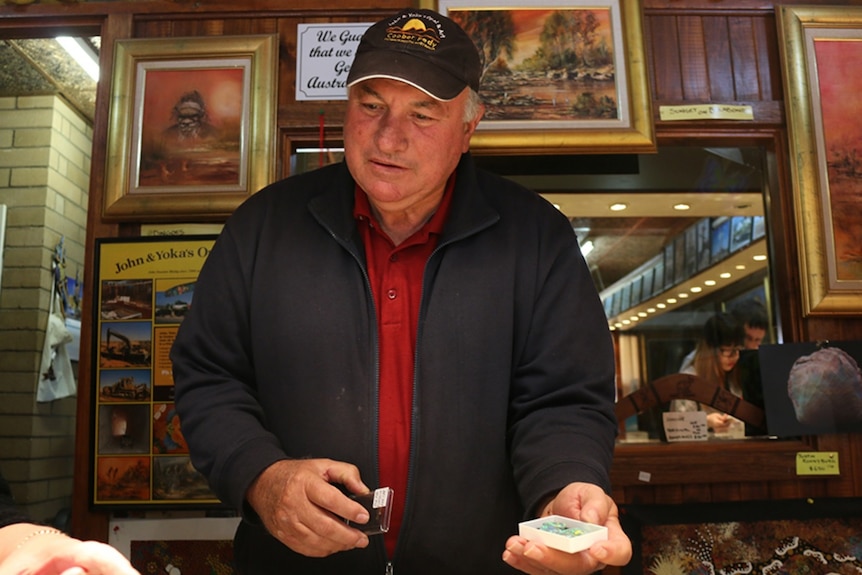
column 840, row 102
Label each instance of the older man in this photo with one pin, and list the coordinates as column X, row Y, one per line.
column 402, row 320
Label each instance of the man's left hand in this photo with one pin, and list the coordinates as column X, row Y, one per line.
column 583, row 502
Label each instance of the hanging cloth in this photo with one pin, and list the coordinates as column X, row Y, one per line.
column 56, row 377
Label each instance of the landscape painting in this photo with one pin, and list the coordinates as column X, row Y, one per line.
column 542, row 64
column 563, row 74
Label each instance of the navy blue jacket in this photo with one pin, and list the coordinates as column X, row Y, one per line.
column 514, row 379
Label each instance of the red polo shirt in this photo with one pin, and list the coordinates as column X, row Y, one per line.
column 396, row 274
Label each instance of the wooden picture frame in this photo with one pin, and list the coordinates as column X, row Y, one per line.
column 594, row 97
column 191, row 126
column 824, row 131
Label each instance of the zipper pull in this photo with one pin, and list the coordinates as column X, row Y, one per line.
column 390, row 570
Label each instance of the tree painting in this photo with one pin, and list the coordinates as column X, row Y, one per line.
column 544, row 64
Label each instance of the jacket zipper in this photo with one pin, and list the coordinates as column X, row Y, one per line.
column 370, row 293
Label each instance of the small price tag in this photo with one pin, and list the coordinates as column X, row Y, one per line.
column 817, row 463
column 685, row 426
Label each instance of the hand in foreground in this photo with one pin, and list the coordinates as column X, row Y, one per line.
column 584, row 502
column 300, row 506
column 57, row 554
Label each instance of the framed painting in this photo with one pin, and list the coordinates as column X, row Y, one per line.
column 191, row 126
column 740, row 232
column 821, row 53
column 719, row 241
column 186, row 545
column 567, row 75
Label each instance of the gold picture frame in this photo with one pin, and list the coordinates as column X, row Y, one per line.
column 593, row 104
column 191, row 126
column 824, row 139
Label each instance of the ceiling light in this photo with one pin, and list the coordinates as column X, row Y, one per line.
column 696, row 289
column 681, row 207
column 650, row 310
column 759, row 258
column 709, row 283
column 82, row 53
column 724, row 275
column 618, row 207
column 661, row 305
column 642, row 314
column 634, row 318
column 683, row 295
column 671, row 300
column 740, row 266
column 626, row 322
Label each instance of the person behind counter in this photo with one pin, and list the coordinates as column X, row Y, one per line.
column 715, row 360
column 402, row 319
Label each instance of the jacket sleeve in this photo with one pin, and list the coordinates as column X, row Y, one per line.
column 215, row 390
column 562, row 423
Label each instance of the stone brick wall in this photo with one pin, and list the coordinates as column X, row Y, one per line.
column 45, row 150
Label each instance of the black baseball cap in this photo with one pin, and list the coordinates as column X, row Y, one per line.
column 422, row 48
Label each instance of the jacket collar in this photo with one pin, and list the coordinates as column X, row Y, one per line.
column 470, row 212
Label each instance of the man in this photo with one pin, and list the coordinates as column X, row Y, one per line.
column 751, row 313
column 402, row 320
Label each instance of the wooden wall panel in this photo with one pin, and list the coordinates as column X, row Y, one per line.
column 695, row 72
column 746, row 82
column 717, row 36
column 736, row 47
column 662, row 47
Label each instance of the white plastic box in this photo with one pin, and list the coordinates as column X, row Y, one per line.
column 562, row 533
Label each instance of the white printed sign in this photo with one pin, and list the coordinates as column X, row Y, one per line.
column 324, row 53
column 685, row 426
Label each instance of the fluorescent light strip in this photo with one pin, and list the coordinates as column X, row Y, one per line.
column 82, row 54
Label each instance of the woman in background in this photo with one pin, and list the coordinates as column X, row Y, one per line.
column 715, row 361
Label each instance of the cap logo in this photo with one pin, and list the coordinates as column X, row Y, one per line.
column 415, row 33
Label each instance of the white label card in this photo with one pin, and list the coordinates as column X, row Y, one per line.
column 685, row 426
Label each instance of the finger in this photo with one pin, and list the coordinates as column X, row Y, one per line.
column 538, row 559
column 321, row 538
column 330, row 498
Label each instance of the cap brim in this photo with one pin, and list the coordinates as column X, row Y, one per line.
column 419, row 73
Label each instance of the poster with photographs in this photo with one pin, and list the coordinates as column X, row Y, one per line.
column 145, row 286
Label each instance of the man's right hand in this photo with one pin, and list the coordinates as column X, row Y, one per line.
column 300, row 506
